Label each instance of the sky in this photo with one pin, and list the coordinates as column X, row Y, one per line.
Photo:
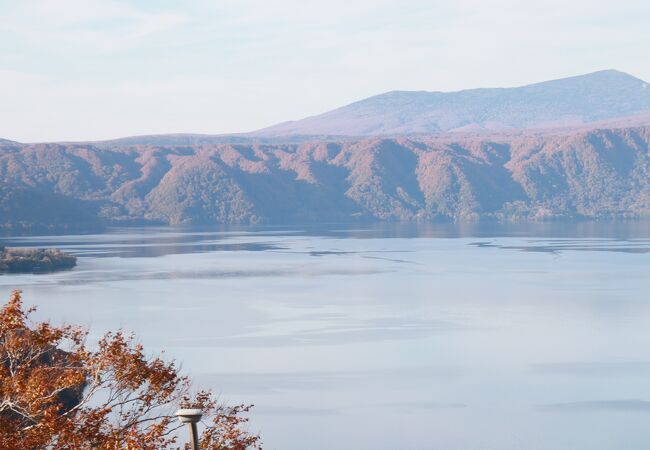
column 101, row 69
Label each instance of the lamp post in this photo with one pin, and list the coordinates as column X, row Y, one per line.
column 191, row 417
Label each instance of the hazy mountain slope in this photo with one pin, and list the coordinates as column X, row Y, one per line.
column 595, row 174
column 587, row 174
column 569, row 101
column 25, row 209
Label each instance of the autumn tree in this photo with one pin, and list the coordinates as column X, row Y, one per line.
column 57, row 392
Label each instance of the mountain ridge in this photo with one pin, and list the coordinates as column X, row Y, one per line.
column 615, row 89
column 593, row 166
column 576, row 100
column 594, row 174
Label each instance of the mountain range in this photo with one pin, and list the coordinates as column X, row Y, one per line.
column 571, row 101
column 577, row 148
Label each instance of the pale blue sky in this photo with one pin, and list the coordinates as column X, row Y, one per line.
column 97, row 69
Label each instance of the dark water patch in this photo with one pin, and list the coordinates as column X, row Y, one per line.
column 151, row 248
column 363, row 254
column 556, row 247
column 328, row 252
column 639, row 368
column 92, row 277
column 401, row 261
column 156, row 250
column 626, row 405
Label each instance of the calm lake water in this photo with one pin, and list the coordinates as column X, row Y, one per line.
column 385, row 336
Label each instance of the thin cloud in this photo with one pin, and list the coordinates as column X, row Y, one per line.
column 88, row 25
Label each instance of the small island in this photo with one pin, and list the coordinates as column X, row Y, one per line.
column 30, row 260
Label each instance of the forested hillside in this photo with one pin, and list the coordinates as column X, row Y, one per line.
column 586, row 174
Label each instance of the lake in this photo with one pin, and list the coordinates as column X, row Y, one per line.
column 379, row 336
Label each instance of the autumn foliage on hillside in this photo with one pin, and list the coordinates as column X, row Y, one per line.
column 58, row 392
column 564, row 174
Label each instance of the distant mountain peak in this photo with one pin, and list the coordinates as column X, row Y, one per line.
column 614, row 73
column 597, row 96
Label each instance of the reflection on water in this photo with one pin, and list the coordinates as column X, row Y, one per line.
column 141, row 242
column 385, row 336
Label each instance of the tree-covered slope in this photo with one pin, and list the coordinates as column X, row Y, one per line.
column 587, row 174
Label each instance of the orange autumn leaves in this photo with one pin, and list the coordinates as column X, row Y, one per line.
column 59, row 393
